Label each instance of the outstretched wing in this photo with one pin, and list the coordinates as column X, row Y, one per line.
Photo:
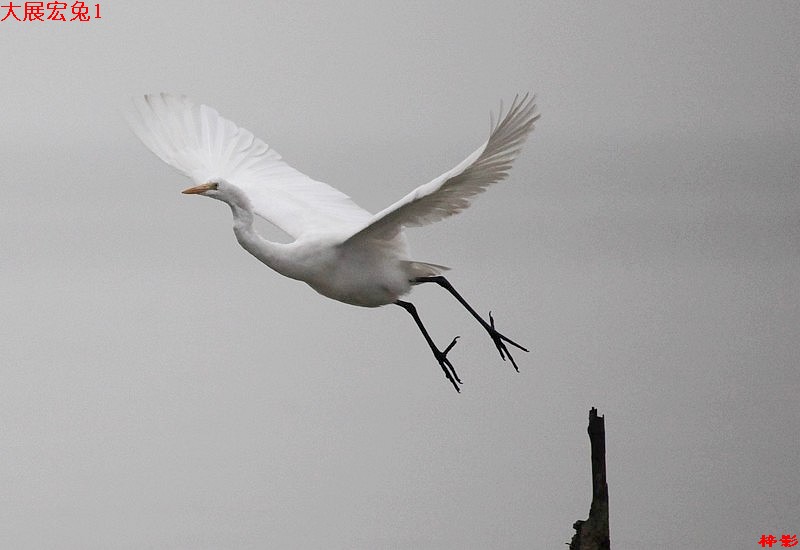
column 452, row 192
column 196, row 140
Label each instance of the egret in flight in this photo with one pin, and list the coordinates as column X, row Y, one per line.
column 339, row 249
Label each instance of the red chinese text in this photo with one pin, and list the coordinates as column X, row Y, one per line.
column 49, row 11
column 786, row 541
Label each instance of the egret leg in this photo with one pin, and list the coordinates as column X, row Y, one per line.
column 498, row 339
column 441, row 356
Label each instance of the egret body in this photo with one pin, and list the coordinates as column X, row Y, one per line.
column 339, row 249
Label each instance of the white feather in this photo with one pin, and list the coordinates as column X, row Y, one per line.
column 196, row 140
column 453, row 191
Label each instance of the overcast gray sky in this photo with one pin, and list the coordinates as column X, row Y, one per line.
column 161, row 388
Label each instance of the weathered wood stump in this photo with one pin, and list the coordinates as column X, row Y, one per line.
column 592, row 533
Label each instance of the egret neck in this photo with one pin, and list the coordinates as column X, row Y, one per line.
column 268, row 252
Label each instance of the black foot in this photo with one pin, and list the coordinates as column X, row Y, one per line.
column 447, row 366
column 499, row 341
column 441, row 356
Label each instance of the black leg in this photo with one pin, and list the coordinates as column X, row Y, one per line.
column 499, row 339
column 441, row 356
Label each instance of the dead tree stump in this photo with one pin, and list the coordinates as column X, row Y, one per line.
column 592, row 533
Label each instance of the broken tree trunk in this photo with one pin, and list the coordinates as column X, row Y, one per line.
column 592, row 533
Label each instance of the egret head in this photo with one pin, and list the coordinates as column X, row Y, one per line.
column 221, row 190
column 210, row 189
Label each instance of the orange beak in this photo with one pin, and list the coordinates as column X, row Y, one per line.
column 199, row 189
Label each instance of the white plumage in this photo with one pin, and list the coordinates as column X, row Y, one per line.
column 205, row 146
column 339, row 249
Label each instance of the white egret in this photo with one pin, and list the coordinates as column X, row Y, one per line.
column 339, row 249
